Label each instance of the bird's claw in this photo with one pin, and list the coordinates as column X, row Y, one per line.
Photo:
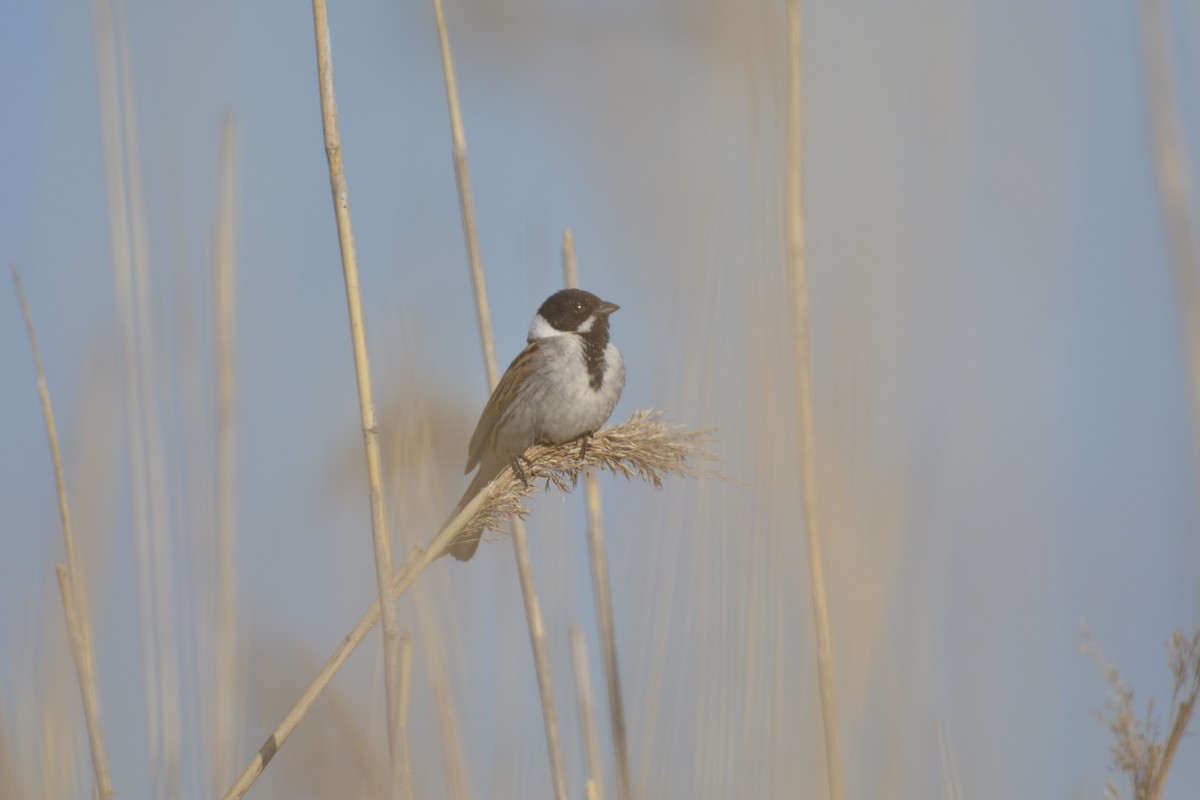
column 519, row 470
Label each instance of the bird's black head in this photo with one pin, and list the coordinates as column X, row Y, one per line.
column 570, row 309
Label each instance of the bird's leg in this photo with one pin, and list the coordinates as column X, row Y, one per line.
column 520, row 472
column 583, row 445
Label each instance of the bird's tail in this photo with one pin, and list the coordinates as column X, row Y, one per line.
column 465, row 545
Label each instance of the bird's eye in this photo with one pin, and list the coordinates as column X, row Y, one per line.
column 578, row 307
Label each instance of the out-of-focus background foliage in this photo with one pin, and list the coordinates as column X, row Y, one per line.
column 1002, row 399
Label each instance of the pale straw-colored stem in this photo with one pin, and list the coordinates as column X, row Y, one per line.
column 413, row 566
column 452, row 753
column 537, row 633
column 950, row 787
column 601, row 584
column 1173, row 171
column 155, row 492
column 466, row 205
column 225, row 638
column 104, row 35
column 406, row 787
column 60, row 481
column 794, row 223
column 366, row 402
column 434, row 649
column 87, row 681
column 69, row 580
column 587, row 717
column 541, row 656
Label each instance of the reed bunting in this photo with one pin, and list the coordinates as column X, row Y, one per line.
column 562, row 386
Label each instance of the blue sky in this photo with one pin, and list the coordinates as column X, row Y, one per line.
column 1002, row 407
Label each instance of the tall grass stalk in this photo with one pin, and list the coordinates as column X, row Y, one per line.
column 453, row 760
column 70, row 583
column 950, row 786
column 104, row 35
column 601, row 585
column 1173, row 171
column 87, row 685
column 533, row 612
column 148, row 383
column 406, row 785
column 366, row 403
column 587, row 717
column 225, row 639
column 462, row 175
column 433, row 648
column 794, row 223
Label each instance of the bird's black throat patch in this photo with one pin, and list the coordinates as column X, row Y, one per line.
column 595, row 341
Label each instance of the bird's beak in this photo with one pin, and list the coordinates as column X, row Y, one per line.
column 607, row 308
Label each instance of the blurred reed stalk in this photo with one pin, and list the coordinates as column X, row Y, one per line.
column 434, row 650
column 150, row 381
column 601, row 584
column 1172, row 170
column 587, row 719
column 70, row 584
column 533, row 612
column 950, row 787
column 454, row 762
column 406, row 787
column 225, row 637
column 366, row 403
column 127, row 238
column 794, row 223
column 87, row 680
column 466, row 204
column 10, row 781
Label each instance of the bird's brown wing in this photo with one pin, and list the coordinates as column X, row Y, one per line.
column 506, row 391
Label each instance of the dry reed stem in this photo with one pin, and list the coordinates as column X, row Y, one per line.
column 225, row 644
column 78, row 625
column 104, row 34
column 435, row 660
column 87, row 681
column 601, row 586
column 148, row 385
column 10, row 781
column 541, row 656
column 533, row 613
column 1137, row 751
column 1172, row 170
column 794, row 222
column 950, row 787
column 366, row 402
column 406, row 786
column 587, row 718
column 60, row 481
column 462, row 175
column 434, row 650
column 413, row 566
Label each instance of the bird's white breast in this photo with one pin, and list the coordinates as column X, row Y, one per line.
column 558, row 401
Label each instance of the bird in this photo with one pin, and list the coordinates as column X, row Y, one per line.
column 562, row 386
